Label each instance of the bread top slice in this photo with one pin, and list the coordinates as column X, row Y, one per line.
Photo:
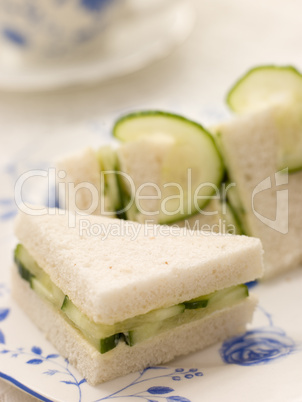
column 250, row 145
column 113, row 269
column 143, row 161
column 76, row 171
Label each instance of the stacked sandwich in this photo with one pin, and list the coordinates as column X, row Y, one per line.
column 126, row 296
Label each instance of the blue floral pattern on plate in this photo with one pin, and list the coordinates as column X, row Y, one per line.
column 159, row 391
column 258, row 346
column 35, row 357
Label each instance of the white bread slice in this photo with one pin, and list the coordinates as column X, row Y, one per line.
column 250, row 147
column 143, row 162
column 122, row 360
column 76, row 170
column 136, row 268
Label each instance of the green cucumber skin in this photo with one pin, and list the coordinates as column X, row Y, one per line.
column 105, row 344
column 120, row 214
column 290, row 170
column 250, row 72
column 65, row 303
column 238, row 211
column 150, row 113
column 196, row 304
column 31, row 272
column 107, row 164
column 236, row 214
column 294, row 170
column 23, row 272
column 109, row 343
column 162, row 113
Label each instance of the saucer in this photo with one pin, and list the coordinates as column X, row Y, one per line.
column 143, row 35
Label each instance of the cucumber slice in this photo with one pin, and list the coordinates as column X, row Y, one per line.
column 124, row 199
column 199, row 302
column 39, row 281
column 265, row 85
column 101, row 336
column 225, row 297
column 51, row 293
column 142, row 327
column 194, row 311
column 23, row 272
column 109, row 343
column 109, row 165
column 100, row 331
column 133, row 330
column 228, row 296
column 231, row 218
column 143, row 333
column 150, row 324
column 110, row 335
column 28, row 268
column 24, row 260
column 80, row 320
column 192, row 161
column 156, row 315
column 239, row 213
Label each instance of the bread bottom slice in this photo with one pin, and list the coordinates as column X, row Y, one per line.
column 122, row 360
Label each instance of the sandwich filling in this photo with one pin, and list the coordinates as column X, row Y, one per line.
column 132, row 330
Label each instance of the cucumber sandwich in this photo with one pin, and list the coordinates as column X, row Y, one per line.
column 262, row 151
column 115, row 297
column 165, row 169
column 246, row 181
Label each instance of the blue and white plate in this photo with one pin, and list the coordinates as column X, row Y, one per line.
column 262, row 364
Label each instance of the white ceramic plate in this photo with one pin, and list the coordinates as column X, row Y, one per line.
column 139, row 37
column 263, row 364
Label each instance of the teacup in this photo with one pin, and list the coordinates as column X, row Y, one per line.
column 48, row 28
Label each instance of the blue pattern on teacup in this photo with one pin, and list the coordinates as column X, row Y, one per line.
column 94, row 5
column 52, row 27
column 14, row 36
